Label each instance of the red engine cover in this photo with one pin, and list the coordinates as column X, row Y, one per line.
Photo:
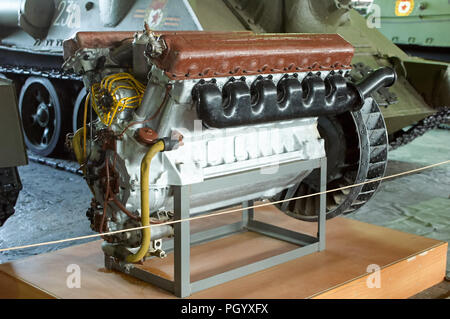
column 198, row 54
column 206, row 54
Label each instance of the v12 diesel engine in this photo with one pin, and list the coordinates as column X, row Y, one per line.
column 179, row 108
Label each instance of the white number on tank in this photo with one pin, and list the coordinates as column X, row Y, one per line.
column 69, row 15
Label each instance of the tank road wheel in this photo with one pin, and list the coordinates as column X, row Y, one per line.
column 78, row 111
column 356, row 146
column 42, row 115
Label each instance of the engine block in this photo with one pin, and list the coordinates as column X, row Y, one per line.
column 221, row 104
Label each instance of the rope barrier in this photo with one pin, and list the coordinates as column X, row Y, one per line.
column 225, row 212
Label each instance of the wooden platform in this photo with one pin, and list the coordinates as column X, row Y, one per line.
column 409, row 264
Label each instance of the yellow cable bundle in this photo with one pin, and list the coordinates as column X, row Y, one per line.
column 106, row 86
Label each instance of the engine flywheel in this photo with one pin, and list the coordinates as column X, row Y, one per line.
column 356, row 145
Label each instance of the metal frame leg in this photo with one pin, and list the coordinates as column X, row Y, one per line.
column 248, row 213
column 182, row 287
column 323, row 205
column 182, row 242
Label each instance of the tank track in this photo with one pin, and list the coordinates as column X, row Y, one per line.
column 385, row 98
column 429, row 123
column 59, row 164
column 46, row 73
column 10, row 187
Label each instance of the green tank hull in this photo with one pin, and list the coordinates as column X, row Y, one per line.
column 31, row 51
column 13, row 150
column 422, row 88
column 420, row 23
column 31, row 54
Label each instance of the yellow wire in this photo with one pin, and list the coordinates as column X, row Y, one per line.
column 86, row 104
column 107, row 115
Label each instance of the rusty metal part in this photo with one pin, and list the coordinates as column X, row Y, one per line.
column 107, row 39
column 107, row 138
column 203, row 55
column 108, row 176
column 122, row 208
column 105, row 203
column 93, row 40
column 193, row 54
column 146, row 135
column 166, row 96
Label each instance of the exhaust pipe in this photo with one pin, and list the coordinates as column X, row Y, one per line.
column 237, row 104
column 383, row 77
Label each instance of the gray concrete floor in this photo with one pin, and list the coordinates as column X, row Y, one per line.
column 51, row 206
column 53, row 203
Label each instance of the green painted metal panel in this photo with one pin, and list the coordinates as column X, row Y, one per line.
column 12, row 147
column 427, row 25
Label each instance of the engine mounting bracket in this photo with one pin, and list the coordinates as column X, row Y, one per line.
column 182, row 286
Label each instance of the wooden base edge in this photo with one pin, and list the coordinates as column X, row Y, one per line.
column 399, row 280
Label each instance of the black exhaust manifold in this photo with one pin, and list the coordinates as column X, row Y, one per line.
column 264, row 101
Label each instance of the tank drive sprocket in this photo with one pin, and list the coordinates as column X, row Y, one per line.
column 365, row 133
